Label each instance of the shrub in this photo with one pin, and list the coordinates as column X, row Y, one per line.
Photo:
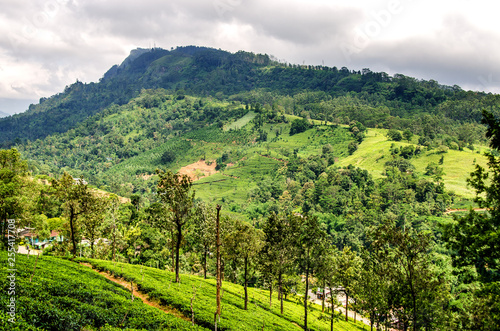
column 168, row 157
column 352, row 147
column 299, row 125
column 395, row 135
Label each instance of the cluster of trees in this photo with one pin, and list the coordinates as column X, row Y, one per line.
column 340, row 195
column 96, row 146
column 474, row 241
column 293, row 245
column 286, row 245
column 67, row 205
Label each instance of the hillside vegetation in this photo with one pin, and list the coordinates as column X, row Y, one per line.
column 325, row 93
column 63, row 295
column 159, row 285
column 375, row 150
column 311, row 177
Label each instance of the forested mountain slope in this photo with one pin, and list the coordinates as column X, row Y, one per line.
column 375, row 99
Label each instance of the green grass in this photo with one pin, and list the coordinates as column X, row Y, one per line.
column 158, row 284
column 238, row 124
column 234, row 183
column 374, row 152
column 218, row 186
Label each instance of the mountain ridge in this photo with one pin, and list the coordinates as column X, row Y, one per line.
column 206, row 71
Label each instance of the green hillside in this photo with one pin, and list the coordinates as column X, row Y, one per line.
column 374, row 151
column 62, row 295
column 159, row 285
column 325, row 176
column 334, row 94
column 251, row 144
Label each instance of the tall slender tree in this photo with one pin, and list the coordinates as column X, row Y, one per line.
column 244, row 243
column 276, row 255
column 372, row 285
column 92, row 221
column 76, row 197
column 158, row 215
column 112, row 222
column 203, row 232
column 175, row 192
column 309, row 246
column 475, row 237
column 327, row 272
column 12, row 171
column 347, row 267
column 419, row 292
column 218, row 265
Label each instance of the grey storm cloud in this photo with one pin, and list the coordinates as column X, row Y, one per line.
column 307, row 24
column 458, row 53
column 59, row 41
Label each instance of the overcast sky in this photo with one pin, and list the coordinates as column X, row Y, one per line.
column 46, row 45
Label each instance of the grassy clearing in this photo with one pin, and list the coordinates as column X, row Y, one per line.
column 158, row 285
column 233, row 184
column 218, row 188
column 238, row 124
column 374, row 152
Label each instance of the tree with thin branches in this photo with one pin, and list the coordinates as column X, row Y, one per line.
column 175, row 192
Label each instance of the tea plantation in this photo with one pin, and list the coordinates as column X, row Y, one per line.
column 159, row 284
column 65, row 295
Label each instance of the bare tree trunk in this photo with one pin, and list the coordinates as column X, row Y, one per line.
column 280, row 289
column 323, row 299
column 354, row 309
column 332, row 310
column 114, row 241
column 346, row 302
column 172, row 250
column 307, row 291
column 271, row 293
column 72, row 228
column 205, row 253
column 217, row 238
column 246, row 281
column 414, row 297
column 177, row 249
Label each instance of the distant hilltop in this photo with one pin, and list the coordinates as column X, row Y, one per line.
column 204, row 71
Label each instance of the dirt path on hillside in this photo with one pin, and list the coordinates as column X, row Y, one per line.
column 144, row 297
column 341, row 299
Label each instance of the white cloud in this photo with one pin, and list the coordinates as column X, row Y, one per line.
column 45, row 45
